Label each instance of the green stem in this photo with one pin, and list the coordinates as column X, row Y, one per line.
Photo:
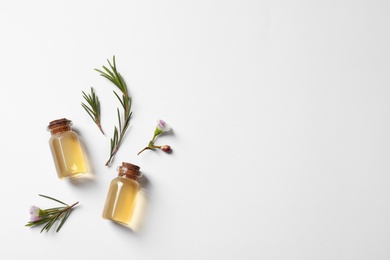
column 150, row 147
column 112, row 155
column 66, row 209
column 146, row 148
column 100, row 127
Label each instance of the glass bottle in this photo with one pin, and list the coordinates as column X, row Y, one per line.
column 122, row 194
column 66, row 149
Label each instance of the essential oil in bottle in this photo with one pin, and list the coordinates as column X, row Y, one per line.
column 122, row 194
column 66, row 149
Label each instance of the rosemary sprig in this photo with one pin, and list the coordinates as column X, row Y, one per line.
column 50, row 216
column 93, row 109
column 115, row 77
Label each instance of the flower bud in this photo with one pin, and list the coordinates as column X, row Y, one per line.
column 166, row 148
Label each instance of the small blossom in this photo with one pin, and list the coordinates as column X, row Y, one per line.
column 162, row 126
column 34, row 213
column 166, row 148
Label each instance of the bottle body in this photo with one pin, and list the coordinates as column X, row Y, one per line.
column 122, row 195
column 121, row 200
column 66, row 151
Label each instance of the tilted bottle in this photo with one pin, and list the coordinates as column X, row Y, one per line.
column 66, row 149
column 122, row 194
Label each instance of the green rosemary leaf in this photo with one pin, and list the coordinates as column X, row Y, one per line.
column 88, row 110
column 109, row 75
column 109, row 78
column 93, row 109
column 119, row 118
column 97, row 108
column 37, row 222
column 127, row 123
column 116, row 135
column 85, row 96
column 47, row 197
column 115, row 77
column 65, row 217
column 50, row 213
column 120, row 100
column 90, row 100
column 56, row 217
column 108, row 72
column 54, row 209
column 112, row 145
column 45, row 226
column 101, row 72
column 122, row 83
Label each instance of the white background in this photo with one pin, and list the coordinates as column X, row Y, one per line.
column 280, row 115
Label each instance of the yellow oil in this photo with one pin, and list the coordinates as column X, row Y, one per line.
column 67, row 155
column 121, row 200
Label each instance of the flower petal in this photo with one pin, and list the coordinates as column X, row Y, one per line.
column 34, row 218
column 163, row 126
column 34, row 210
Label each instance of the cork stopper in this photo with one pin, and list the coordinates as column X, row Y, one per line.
column 129, row 170
column 59, row 125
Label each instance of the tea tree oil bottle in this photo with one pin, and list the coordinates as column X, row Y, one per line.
column 66, row 149
column 122, row 194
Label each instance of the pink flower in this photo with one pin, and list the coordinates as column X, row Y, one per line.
column 162, row 126
column 34, row 213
